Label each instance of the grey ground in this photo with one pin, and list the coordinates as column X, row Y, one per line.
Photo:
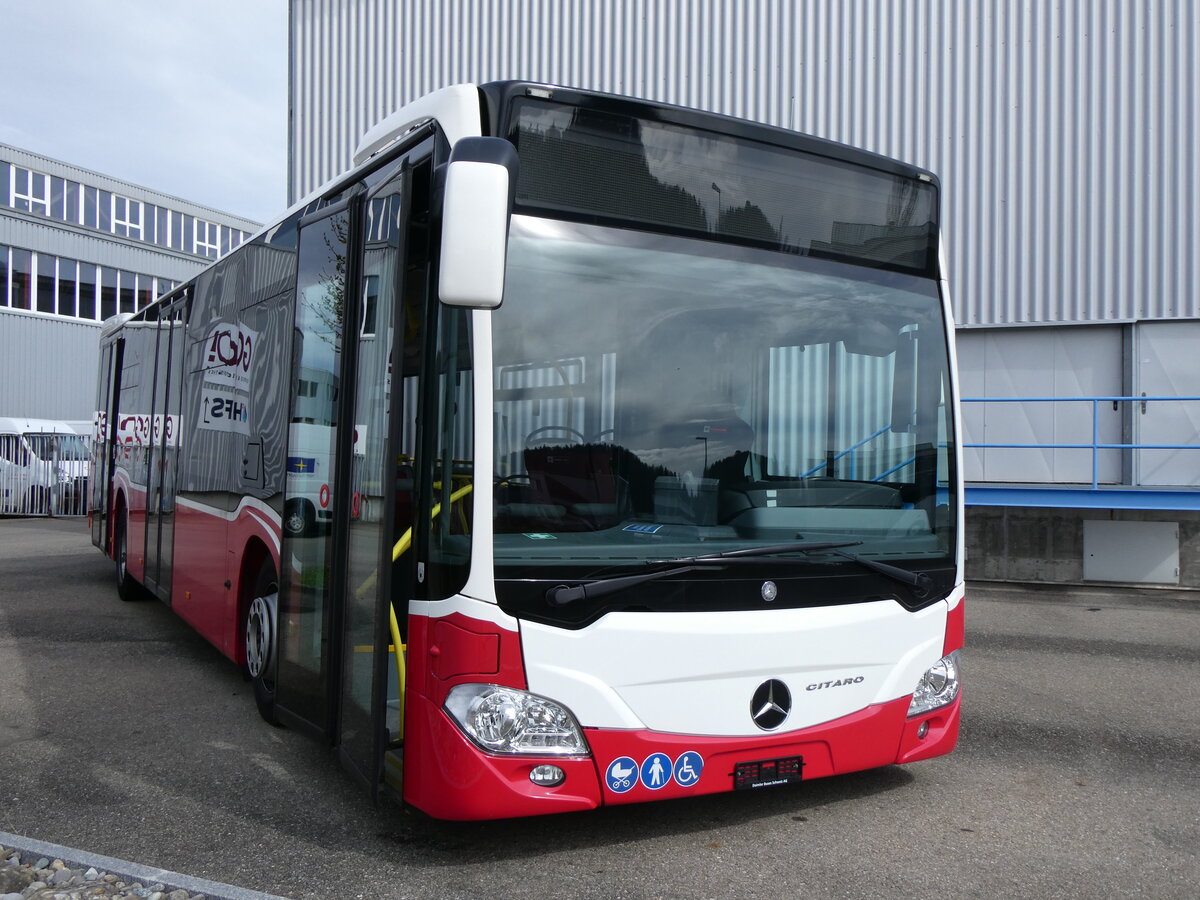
column 1078, row 774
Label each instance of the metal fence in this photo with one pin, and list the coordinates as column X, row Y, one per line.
column 43, row 475
column 1151, row 437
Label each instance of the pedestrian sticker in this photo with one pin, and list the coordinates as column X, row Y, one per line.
column 688, row 768
column 621, row 774
column 656, row 771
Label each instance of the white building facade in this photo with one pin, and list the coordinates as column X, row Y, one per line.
column 75, row 248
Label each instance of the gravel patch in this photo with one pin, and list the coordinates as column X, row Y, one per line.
column 37, row 871
column 52, row 879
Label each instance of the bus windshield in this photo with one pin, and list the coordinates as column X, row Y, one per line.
column 659, row 397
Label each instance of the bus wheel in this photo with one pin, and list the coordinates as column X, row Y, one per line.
column 261, row 637
column 127, row 588
column 299, row 518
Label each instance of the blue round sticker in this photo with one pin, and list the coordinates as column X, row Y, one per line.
column 621, row 774
column 688, row 768
column 656, row 771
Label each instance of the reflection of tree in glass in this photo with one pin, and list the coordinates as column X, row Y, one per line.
column 747, row 221
column 330, row 307
column 902, row 201
column 598, row 164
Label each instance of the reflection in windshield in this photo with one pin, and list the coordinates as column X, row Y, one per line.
column 658, row 396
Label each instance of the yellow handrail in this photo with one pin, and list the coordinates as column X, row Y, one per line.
column 399, row 550
column 394, row 626
column 406, row 539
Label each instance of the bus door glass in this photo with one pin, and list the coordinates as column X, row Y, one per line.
column 379, row 533
column 104, row 441
column 164, row 477
column 154, row 455
column 307, row 556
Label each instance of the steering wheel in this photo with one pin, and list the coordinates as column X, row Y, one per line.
column 533, row 437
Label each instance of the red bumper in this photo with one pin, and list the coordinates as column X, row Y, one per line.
column 448, row 777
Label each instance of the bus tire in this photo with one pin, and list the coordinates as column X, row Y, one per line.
column 299, row 518
column 261, row 638
column 127, row 588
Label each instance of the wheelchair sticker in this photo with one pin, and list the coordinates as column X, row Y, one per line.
column 688, row 768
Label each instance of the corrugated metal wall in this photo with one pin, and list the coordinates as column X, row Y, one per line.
column 1064, row 132
column 48, row 366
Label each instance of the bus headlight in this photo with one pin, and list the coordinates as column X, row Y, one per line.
column 938, row 687
column 507, row 720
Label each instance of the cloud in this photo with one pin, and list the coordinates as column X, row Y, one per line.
column 186, row 98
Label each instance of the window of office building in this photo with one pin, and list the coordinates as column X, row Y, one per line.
column 108, row 292
column 87, row 291
column 31, row 191
column 179, row 238
column 66, row 287
column 44, row 264
column 3, row 275
column 105, row 205
column 208, row 242
column 149, row 222
column 145, row 290
column 162, row 226
column 128, row 283
column 58, row 198
column 71, row 197
column 91, row 207
column 5, row 184
column 127, row 217
column 21, row 288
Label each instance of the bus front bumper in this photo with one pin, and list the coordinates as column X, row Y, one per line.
column 449, row 777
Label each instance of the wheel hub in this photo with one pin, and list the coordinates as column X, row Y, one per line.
column 258, row 637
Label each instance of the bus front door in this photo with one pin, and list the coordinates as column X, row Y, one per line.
column 345, row 578
column 378, row 557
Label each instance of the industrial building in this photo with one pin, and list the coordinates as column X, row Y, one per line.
column 1064, row 134
column 75, row 248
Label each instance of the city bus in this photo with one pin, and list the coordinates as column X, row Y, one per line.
column 704, row 368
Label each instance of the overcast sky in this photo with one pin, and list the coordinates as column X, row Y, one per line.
column 188, row 97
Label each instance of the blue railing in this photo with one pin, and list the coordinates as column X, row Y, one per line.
column 1096, row 445
column 853, row 460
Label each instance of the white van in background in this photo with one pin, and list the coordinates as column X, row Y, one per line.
column 43, row 468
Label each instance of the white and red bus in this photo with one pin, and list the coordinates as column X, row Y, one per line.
column 704, row 369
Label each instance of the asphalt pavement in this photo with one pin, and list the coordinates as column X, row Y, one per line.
column 123, row 733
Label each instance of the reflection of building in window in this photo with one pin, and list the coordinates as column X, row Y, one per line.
column 314, row 390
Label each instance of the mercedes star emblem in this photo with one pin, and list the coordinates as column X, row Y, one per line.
column 771, row 704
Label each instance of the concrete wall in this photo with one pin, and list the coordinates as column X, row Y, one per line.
column 1047, row 545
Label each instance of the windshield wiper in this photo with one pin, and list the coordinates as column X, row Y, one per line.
column 561, row 595
column 921, row 583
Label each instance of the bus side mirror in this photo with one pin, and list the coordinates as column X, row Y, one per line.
column 904, row 383
column 480, row 187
